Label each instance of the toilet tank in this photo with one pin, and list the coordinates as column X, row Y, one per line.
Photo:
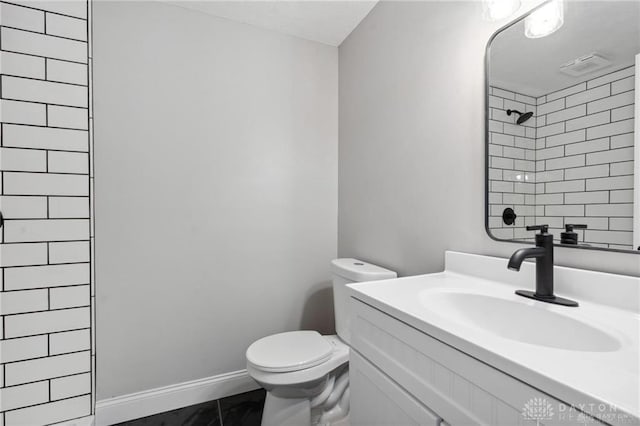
column 347, row 271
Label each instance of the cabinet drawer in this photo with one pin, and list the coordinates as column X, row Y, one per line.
column 377, row 401
column 459, row 388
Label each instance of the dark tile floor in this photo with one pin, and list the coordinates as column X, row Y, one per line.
column 244, row 409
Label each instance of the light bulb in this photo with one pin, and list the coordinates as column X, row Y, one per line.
column 495, row 10
column 546, row 20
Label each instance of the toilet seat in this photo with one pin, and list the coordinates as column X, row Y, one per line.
column 338, row 356
column 291, row 351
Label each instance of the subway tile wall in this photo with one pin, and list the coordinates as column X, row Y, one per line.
column 583, row 156
column 511, row 163
column 47, row 354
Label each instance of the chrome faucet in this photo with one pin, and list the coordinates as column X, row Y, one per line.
column 543, row 253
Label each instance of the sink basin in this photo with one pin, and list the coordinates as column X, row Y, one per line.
column 518, row 320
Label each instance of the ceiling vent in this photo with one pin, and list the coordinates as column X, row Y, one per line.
column 585, row 65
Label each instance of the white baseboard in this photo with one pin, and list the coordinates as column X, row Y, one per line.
column 154, row 401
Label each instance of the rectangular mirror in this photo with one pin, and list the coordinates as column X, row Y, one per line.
column 563, row 148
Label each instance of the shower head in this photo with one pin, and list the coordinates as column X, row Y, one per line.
column 524, row 116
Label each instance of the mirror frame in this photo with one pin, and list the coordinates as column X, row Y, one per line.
column 486, row 145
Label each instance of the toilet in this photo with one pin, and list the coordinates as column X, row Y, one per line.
column 305, row 374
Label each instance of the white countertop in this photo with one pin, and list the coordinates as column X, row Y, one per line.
column 574, row 377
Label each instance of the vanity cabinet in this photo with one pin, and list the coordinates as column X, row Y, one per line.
column 402, row 376
column 382, row 402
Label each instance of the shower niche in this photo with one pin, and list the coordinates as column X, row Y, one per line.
column 562, row 145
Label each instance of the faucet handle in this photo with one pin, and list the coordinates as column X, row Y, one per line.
column 570, row 227
column 542, row 228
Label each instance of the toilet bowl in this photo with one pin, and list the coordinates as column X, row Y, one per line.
column 305, row 374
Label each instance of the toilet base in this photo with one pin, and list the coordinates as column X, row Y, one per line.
column 280, row 411
column 326, row 405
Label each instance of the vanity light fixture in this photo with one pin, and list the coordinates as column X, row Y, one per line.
column 495, row 10
column 546, row 20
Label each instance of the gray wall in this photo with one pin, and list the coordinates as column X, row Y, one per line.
column 411, row 169
column 216, row 147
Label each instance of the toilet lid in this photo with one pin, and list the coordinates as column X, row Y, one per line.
column 291, row 351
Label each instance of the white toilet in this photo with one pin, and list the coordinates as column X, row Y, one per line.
column 306, row 375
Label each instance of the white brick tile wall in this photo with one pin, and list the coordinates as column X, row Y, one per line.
column 68, row 162
column 23, row 348
column 69, row 341
column 66, row 26
column 563, row 93
column 67, row 117
column 566, row 138
column 505, row 94
column 609, row 237
column 566, row 114
column 611, row 183
column 608, row 78
column 588, row 121
column 71, row 8
column 52, row 412
column 46, row 276
column 24, row 395
column 26, row 160
column 586, row 172
column 513, row 129
column 550, row 129
column 68, row 72
column 22, row 65
column 581, row 151
column 525, row 165
column 22, row 112
column 45, row 368
column 622, row 196
column 45, row 322
column 21, row 17
column 18, row 207
column 68, row 207
column 69, row 297
column 69, row 252
column 502, row 139
column 622, row 113
column 551, row 106
column 66, row 387
column 622, row 85
column 610, row 102
column 588, row 146
column 564, row 210
column 621, row 224
column 623, row 168
column 23, row 254
column 588, row 95
column 543, row 154
column 610, row 210
column 585, row 197
column 565, row 162
column 546, row 199
column 46, row 230
column 617, row 128
column 14, row 40
column 45, row 184
column 44, row 138
column 611, row 156
column 565, row 186
column 16, row 302
column 25, row 89
column 621, row 141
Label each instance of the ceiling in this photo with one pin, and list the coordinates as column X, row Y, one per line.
column 328, row 22
column 532, row 66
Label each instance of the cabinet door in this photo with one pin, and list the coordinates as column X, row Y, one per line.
column 378, row 401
